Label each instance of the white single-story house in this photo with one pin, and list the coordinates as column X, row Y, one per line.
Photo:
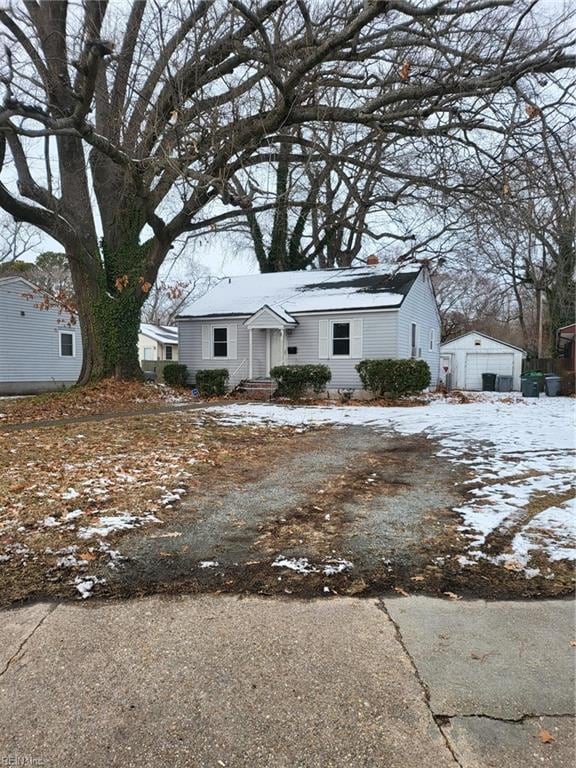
column 468, row 356
column 157, row 342
column 337, row 317
column 40, row 344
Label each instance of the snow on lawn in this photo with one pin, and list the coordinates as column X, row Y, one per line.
column 520, row 451
column 111, row 523
column 304, row 566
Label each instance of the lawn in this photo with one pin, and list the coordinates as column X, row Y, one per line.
column 446, row 497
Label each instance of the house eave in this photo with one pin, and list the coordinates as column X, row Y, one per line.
column 347, row 310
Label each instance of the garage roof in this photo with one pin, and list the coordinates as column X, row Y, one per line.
column 485, row 336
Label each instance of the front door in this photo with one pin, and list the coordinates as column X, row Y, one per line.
column 275, row 351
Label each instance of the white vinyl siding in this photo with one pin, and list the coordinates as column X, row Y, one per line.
column 419, row 307
column 30, row 359
column 372, row 335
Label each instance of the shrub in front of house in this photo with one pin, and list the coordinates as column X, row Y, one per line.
column 176, row 375
column 294, row 380
column 394, row 377
column 212, row 381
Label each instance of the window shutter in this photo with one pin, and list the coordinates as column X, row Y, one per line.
column 356, row 337
column 232, row 342
column 323, row 339
column 206, row 342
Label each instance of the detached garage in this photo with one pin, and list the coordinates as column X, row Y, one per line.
column 467, row 357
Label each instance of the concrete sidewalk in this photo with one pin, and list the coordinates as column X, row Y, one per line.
column 228, row 682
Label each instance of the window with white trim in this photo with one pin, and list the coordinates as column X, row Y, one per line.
column 431, row 340
column 340, row 339
column 413, row 340
column 220, row 341
column 67, row 346
column 168, row 352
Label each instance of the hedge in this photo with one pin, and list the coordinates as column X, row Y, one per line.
column 212, row 381
column 293, row 380
column 394, row 377
column 176, row 375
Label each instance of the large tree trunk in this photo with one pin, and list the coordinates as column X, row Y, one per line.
column 561, row 292
column 109, row 320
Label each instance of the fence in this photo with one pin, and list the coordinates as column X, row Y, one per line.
column 156, row 366
column 546, row 365
column 559, row 366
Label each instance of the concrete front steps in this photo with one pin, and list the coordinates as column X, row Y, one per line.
column 257, row 389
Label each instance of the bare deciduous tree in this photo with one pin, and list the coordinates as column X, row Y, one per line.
column 145, row 119
column 17, row 240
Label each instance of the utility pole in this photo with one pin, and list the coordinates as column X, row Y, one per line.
column 540, row 306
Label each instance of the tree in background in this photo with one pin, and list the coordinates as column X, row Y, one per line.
column 17, row 239
column 518, row 233
column 52, row 274
column 145, row 118
column 181, row 280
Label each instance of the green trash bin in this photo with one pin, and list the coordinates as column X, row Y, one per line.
column 530, row 383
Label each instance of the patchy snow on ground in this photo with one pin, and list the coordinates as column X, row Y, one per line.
column 519, row 451
column 110, row 523
column 304, row 566
column 85, row 585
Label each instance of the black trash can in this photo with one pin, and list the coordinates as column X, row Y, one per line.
column 530, row 383
column 488, row 382
column 504, row 383
column 552, row 384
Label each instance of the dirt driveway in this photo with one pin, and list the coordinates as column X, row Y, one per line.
column 194, row 502
column 350, row 511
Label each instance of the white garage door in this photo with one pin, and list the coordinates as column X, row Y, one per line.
column 494, row 362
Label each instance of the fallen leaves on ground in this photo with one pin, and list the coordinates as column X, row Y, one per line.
column 67, row 491
column 108, row 396
column 545, row 736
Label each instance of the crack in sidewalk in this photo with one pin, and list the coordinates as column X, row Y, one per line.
column 426, row 692
column 19, row 653
column 445, row 719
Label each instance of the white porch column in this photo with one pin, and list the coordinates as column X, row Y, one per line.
column 249, row 353
column 282, row 345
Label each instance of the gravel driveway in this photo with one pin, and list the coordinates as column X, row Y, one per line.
column 353, row 511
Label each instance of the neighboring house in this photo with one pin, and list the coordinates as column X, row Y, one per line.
column 566, row 346
column 337, row 317
column 40, row 350
column 157, row 342
column 468, row 356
